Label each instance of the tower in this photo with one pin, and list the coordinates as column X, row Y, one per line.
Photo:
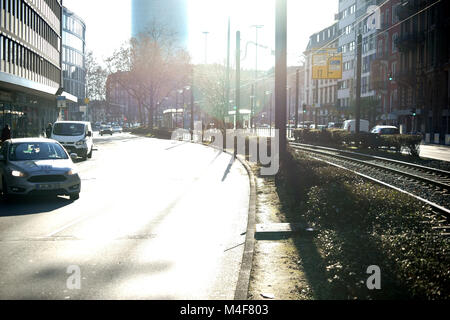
column 170, row 13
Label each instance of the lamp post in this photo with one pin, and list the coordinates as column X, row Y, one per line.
column 269, row 93
column 289, row 112
column 252, row 108
column 281, row 73
column 255, row 90
column 186, row 88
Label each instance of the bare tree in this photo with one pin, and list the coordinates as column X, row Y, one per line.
column 150, row 66
column 211, row 84
column 96, row 77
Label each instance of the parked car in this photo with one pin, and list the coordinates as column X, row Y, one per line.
column 382, row 130
column 335, row 125
column 117, row 129
column 350, row 125
column 106, row 129
column 36, row 166
column 75, row 136
column 318, row 126
column 305, row 124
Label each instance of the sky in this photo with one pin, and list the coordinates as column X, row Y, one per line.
column 108, row 25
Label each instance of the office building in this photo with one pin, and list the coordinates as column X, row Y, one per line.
column 30, row 64
column 320, row 96
column 73, row 63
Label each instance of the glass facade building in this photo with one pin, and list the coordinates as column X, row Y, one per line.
column 171, row 13
column 30, row 73
column 73, row 60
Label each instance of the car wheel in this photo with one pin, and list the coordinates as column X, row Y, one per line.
column 74, row 197
column 90, row 153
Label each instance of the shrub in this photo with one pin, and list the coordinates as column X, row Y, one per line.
column 412, row 144
column 155, row 132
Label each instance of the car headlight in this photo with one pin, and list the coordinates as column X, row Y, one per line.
column 18, row 174
column 81, row 142
column 71, row 172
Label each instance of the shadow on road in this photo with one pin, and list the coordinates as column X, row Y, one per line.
column 28, row 206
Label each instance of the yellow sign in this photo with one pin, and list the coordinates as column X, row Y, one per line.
column 327, row 65
column 86, row 101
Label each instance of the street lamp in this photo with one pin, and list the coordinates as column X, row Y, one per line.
column 257, row 27
column 186, row 88
column 269, row 93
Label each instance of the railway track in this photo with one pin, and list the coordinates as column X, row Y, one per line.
column 428, row 185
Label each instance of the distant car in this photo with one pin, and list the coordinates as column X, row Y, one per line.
column 350, row 125
column 318, row 126
column 305, row 124
column 335, row 125
column 75, row 137
column 106, row 129
column 117, row 129
column 384, row 130
column 36, row 166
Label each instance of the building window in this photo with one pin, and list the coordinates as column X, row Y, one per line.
column 394, row 40
column 352, row 46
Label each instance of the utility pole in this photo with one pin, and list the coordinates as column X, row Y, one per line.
column 228, row 67
column 256, row 73
column 252, row 105
column 182, row 110
column 270, row 114
column 289, row 106
column 281, row 72
column 316, row 103
column 176, row 109
column 297, row 96
column 238, row 80
column 192, row 108
column 358, row 85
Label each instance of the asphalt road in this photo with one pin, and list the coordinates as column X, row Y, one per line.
column 438, row 152
column 155, row 220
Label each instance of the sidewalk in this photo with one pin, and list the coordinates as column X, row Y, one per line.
column 434, row 151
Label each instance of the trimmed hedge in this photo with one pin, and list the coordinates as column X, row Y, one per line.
column 363, row 140
column 155, row 132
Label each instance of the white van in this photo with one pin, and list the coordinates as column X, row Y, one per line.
column 75, row 136
column 350, row 125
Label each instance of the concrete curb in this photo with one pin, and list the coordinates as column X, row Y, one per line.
column 243, row 283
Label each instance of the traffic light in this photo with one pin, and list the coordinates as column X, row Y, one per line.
column 413, row 112
column 390, row 77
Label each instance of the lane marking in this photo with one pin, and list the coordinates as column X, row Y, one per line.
column 67, row 226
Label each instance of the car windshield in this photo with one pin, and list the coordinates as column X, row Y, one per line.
column 68, row 129
column 389, row 131
column 36, row 151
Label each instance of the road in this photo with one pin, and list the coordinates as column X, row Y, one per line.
column 156, row 219
column 438, row 152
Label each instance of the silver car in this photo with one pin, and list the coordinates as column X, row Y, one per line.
column 37, row 167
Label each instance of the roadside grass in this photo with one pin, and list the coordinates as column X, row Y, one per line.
column 360, row 224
